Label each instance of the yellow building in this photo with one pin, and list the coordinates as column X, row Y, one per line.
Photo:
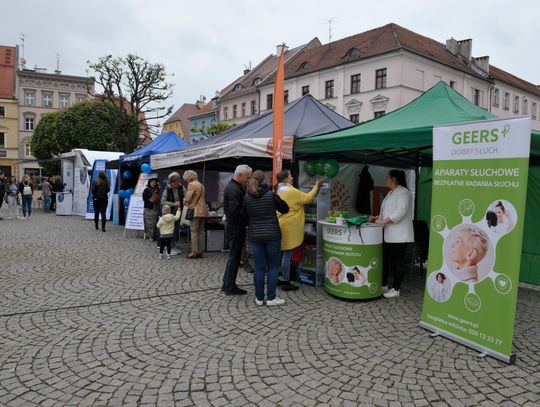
column 9, row 130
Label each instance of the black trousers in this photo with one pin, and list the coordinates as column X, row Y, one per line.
column 395, row 260
column 165, row 241
column 100, row 208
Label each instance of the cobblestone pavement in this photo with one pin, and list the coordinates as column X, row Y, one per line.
column 93, row 319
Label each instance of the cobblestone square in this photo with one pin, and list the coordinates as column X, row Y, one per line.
column 93, row 319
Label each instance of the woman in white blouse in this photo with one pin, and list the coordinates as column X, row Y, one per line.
column 396, row 216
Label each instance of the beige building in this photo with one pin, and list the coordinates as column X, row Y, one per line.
column 9, row 120
column 369, row 74
column 39, row 92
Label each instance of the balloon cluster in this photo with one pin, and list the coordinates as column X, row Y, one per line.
column 322, row 166
column 126, row 194
column 146, row 168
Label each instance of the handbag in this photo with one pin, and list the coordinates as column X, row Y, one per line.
column 190, row 213
column 154, row 199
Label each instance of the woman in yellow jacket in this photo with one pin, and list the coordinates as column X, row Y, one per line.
column 292, row 222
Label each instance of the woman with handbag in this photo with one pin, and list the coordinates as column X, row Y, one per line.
column 151, row 197
column 196, row 213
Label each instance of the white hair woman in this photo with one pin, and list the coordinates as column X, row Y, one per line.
column 196, row 199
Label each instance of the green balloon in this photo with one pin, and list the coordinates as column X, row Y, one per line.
column 331, row 168
column 320, row 166
column 309, row 168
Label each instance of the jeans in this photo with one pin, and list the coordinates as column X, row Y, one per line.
column 12, row 205
column 267, row 257
column 286, row 264
column 236, row 235
column 27, row 205
column 165, row 241
column 46, row 204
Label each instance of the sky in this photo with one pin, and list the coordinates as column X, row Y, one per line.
column 205, row 45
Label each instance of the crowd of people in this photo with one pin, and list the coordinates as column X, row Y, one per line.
column 20, row 195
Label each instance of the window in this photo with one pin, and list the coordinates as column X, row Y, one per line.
column 525, row 106
column 496, row 97
column 305, row 90
column 506, row 100
column 2, row 111
column 47, row 99
column 243, row 109
column 27, row 149
column 378, row 114
column 269, row 101
column 257, row 81
column 2, row 140
column 29, row 123
column 355, row 83
column 253, row 108
column 29, row 99
column 64, row 101
column 80, row 98
column 355, row 118
column 329, row 89
column 516, row 104
column 203, row 125
column 380, row 78
column 234, row 111
column 476, row 97
column 304, row 65
column 238, row 86
column 453, row 84
column 286, row 97
column 533, row 110
column 225, row 112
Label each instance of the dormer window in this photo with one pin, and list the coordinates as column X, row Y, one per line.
column 304, row 65
column 238, row 86
column 257, row 81
column 352, row 52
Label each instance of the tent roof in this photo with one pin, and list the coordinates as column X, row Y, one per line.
column 89, row 156
column 304, row 117
column 404, row 135
column 164, row 143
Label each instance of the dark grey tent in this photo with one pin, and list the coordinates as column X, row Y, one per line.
column 252, row 141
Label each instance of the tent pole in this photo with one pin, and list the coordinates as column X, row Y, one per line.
column 204, row 173
column 416, row 183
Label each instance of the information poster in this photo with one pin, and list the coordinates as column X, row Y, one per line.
column 478, row 203
column 135, row 213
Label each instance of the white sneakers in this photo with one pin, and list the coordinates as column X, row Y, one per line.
column 391, row 293
column 275, row 302
column 384, row 289
column 160, row 256
column 168, row 257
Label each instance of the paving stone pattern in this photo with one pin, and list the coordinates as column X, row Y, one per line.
column 93, row 319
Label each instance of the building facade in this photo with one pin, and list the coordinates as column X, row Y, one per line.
column 9, row 116
column 38, row 93
column 367, row 75
column 205, row 117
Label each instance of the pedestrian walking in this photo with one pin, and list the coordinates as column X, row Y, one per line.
column 264, row 234
column 2, row 190
column 12, row 197
column 151, row 197
column 195, row 201
column 100, row 197
column 235, row 226
column 26, row 189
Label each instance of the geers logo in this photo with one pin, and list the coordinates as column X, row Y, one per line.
column 480, row 136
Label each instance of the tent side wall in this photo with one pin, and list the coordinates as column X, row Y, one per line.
column 530, row 252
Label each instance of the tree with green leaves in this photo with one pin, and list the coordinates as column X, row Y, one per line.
column 214, row 129
column 92, row 125
column 136, row 88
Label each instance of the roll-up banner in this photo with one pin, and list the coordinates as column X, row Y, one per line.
column 478, row 203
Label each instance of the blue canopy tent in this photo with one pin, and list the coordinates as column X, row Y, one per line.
column 164, row 143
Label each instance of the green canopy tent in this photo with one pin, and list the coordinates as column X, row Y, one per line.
column 404, row 138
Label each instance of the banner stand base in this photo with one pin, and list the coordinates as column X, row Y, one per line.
column 483, row 351
column 481, row 355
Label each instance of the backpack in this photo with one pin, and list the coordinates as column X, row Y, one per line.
column 27, row 190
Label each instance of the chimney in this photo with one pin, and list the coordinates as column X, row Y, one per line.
column 482, row 63
column 246, row 71
column 201, row 101
column 451, row 46
column 278, row 49
column 465, row 48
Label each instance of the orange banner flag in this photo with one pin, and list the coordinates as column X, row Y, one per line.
column 279, row 108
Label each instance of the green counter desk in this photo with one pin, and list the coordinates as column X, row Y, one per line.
column 352, row 260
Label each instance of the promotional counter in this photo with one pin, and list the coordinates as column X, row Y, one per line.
column 352, row 260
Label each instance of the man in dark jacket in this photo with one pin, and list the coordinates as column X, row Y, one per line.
column 235, row 226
